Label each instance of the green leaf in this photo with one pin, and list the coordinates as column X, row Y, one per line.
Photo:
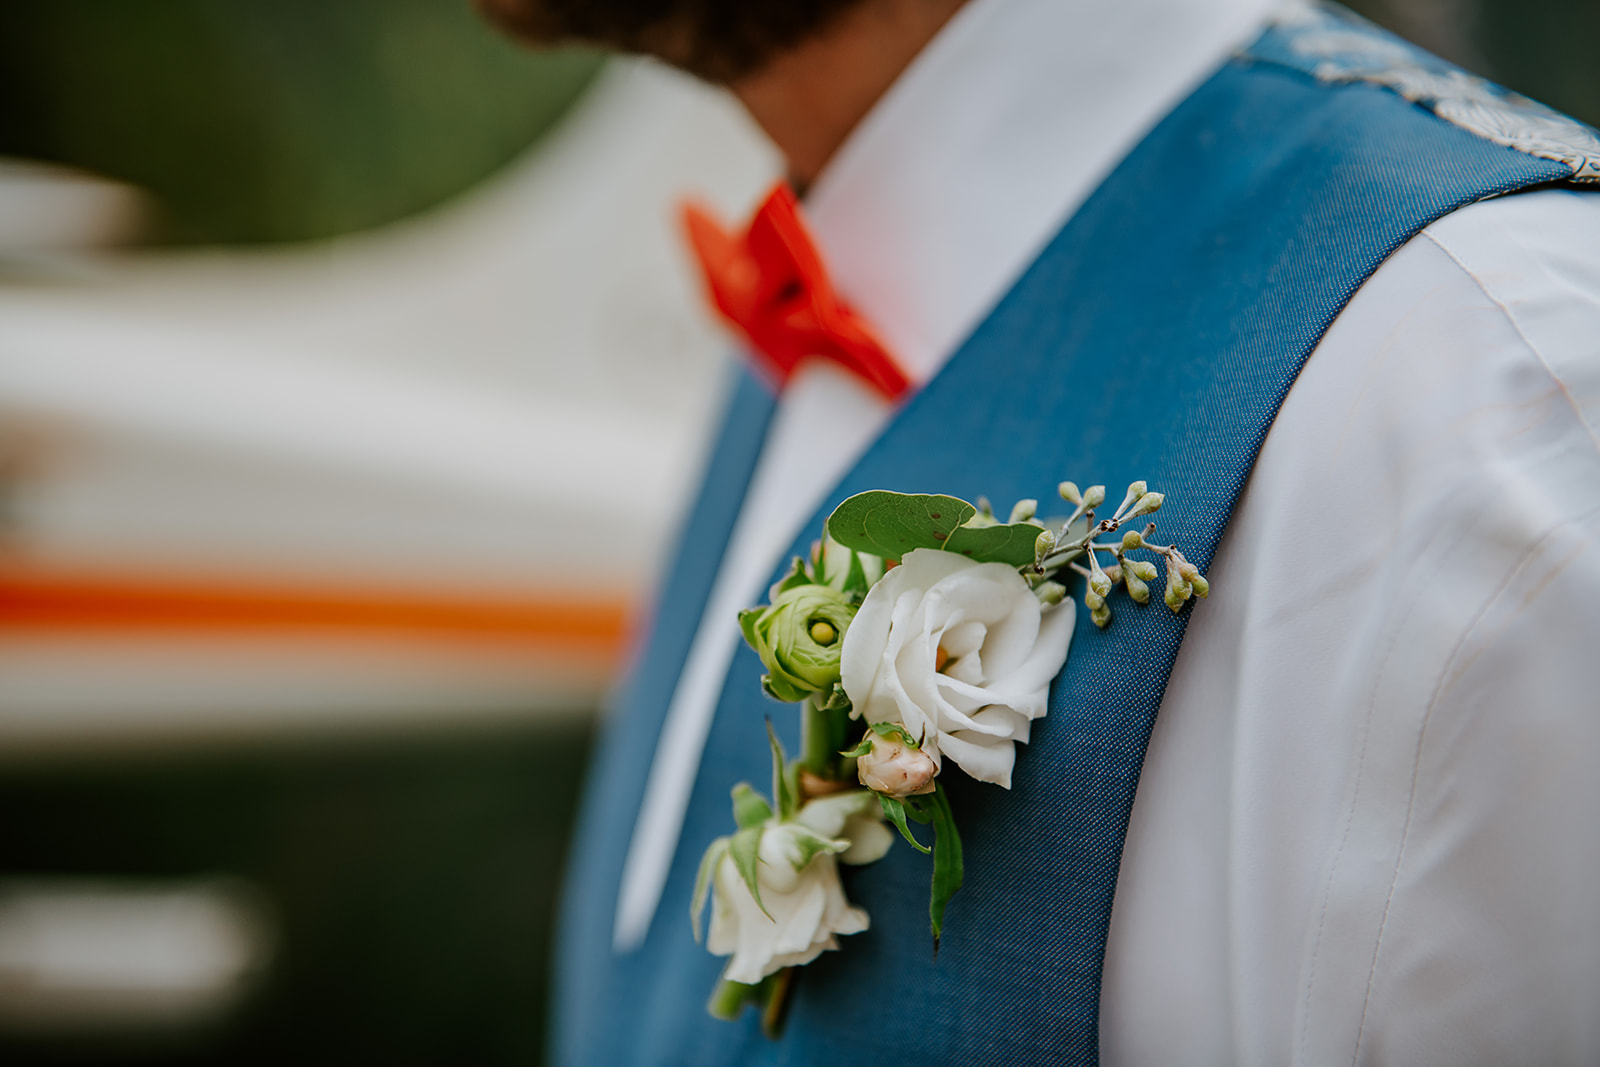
column 782, row 784
column 747, row 626
column 919, row 808
column 1008, row 543
column 892, row 524
column 838, row 699
column 780, row 690
column 810, row 844
column 895, row 732
column 797, row 576
column 948, row 869
column 862, row 748
column 891, row 730
column 849, row 571
column 895, row 811
column 745, row 848
column 702, row 881
column 841, row 567
column 750, row 809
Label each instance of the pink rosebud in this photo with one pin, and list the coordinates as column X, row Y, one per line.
column 896, row 769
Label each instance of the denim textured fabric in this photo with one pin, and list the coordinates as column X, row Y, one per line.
column 1155, row 337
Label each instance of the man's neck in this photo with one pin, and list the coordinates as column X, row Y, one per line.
column 809, row 98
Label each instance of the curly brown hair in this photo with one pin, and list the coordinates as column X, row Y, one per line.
column 720, row 40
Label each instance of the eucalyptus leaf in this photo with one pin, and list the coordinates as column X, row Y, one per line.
column 745, row 848
column 948, row 868
column 891, row 524
column 895, row 812
column 1008, row 543
column 750, row 809
column 702, row 881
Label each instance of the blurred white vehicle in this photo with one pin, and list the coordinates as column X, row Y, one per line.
column 416, row 475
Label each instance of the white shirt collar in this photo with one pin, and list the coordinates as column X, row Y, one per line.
column 997, row 132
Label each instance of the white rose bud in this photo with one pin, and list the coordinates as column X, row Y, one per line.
column 896, row 769
column 802, row 909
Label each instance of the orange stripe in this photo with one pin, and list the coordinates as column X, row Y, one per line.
column 38, row 599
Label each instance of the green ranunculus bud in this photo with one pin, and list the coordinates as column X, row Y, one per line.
column 799, row 638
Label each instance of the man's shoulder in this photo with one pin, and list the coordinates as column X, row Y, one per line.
column 1536, row 256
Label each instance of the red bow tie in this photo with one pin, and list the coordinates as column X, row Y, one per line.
column 770, row 285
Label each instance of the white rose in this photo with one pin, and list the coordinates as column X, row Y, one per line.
column 799, row 880
column 959, row 654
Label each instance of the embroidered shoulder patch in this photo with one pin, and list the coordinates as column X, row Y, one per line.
column 1335, row 45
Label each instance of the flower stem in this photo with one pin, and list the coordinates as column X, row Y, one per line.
column 776, row 1010
column 820, row 739
column 770, row 995
column 729, row 999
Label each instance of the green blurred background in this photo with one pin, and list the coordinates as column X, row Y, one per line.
column 253, row 121
column 276, row 120
column 412, row 883
column 413, row 880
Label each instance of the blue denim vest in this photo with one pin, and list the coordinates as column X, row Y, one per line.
column 1155, row 337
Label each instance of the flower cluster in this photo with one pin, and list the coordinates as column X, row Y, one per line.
column 922, row 631
column 960, row 655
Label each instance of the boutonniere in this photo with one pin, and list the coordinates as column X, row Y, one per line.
column 921, row 633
